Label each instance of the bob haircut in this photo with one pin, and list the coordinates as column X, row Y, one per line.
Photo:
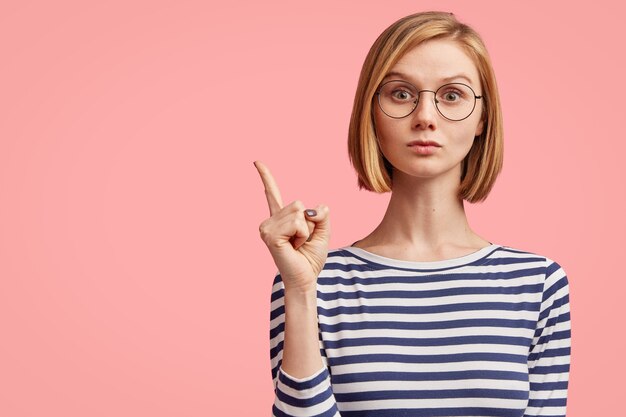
column 483, row 163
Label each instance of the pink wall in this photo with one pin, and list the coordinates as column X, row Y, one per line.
column 132, row 278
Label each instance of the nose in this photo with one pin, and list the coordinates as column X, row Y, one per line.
column 425, row 113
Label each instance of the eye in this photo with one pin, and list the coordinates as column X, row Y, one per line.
column 400, row 94
column 451, row 96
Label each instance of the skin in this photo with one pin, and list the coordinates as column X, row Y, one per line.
column 299, row 244
column 425, row 220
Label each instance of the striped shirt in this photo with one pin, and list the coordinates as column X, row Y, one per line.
column 486, row 334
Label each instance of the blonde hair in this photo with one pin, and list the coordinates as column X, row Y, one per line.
column 483, row 163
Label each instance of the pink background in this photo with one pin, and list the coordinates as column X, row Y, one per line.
column 132, row 277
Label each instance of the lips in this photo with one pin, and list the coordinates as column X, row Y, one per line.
column 424, row 143
column 424, row 147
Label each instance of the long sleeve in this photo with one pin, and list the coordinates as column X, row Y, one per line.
column 549, row 358
column 306, row 397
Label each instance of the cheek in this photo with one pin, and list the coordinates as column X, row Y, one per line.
column 385, row 128
column 465, row 134
column 383, row 133
column 381, row 130
column 465, row 140
column 469, row 128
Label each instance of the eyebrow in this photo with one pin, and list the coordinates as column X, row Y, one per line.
column 444, row 79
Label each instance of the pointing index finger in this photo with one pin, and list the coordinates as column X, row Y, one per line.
column 272, row 193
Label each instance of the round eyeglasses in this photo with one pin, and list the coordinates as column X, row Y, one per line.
column 454, row 101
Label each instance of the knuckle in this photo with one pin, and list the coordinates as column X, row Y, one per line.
column 265, row 231
column 298, row 205
column 296, row 222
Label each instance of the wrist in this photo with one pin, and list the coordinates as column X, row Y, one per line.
column 300, row 287
column 303, row 295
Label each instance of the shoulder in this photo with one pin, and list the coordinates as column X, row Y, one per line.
column 343, row 258
column 515, row 252
column 551, row 270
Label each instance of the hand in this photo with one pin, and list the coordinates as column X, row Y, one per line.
column 297, row 239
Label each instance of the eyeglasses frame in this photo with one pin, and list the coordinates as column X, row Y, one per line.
column 418, row 99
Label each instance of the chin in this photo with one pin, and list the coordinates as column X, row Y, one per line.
column 427, row 172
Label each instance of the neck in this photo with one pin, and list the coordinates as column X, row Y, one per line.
column 425, row 215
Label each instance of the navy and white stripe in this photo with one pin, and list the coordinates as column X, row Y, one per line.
column 487, row 334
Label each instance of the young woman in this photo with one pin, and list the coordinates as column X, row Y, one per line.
column 422, row 317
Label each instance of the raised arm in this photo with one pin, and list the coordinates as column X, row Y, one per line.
column 297, row 239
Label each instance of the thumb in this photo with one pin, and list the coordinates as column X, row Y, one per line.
column 322, row 222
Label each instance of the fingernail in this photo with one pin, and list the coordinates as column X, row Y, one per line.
column 310, row 212
column 310, row 237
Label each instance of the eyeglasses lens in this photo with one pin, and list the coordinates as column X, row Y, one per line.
column 454, row 101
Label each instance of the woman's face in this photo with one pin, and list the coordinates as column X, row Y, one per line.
column 427, row 67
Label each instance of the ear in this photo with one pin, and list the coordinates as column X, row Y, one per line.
column 479, row 127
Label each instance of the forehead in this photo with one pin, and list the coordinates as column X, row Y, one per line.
column 436, row 60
